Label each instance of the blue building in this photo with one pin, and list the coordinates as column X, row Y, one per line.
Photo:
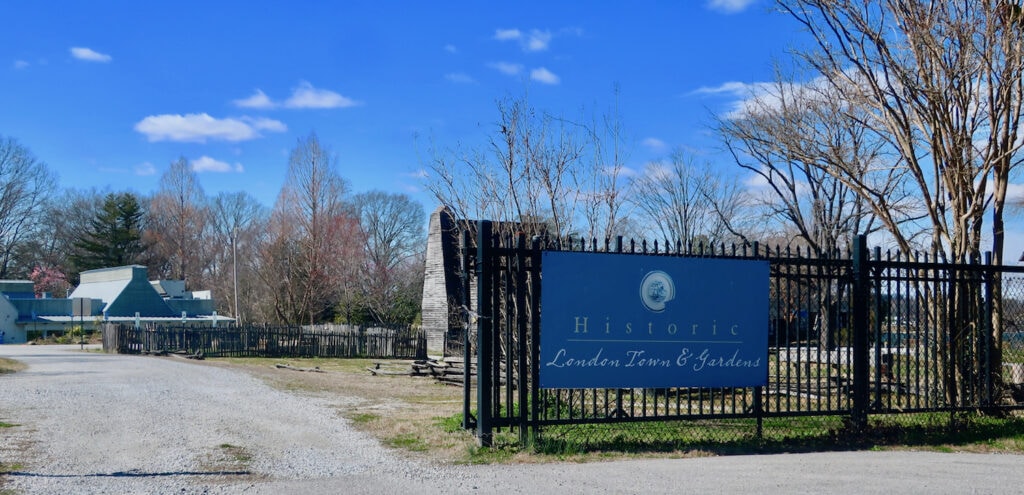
column 120, row 294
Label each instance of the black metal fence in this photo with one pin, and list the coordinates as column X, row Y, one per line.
column 851, row 336
column 267, row 341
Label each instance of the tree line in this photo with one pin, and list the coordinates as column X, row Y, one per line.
column 320, row 254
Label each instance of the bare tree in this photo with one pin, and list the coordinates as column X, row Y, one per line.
column 941, row 83
column 602, row 185
column 314, row 241
column 686, row 202
column 179, row 217
column 25, row 183
column 238, row 224
column 66, row 219
column 814, row 162
column 796, row 138
column 531, row 173
column 393, row 231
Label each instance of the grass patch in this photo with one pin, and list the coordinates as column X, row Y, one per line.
column 408, row 441
column 10, row 468
column 363, row 418
column 449, row 424
column 7, row 425
column 935, row 432
column 236, row 453
column 10, row 366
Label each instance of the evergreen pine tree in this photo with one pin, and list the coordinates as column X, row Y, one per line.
column 115, row 234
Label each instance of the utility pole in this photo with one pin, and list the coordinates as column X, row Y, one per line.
column 234, row 271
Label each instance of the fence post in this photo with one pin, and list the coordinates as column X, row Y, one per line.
column 484, row 336
column 861, row 319
column 468, row 421
column 989, row 369
column 535, row 263
column 521, row 357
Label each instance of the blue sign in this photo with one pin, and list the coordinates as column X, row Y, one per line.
column 627, row 321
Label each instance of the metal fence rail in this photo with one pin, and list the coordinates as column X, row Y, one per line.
column 850, row 334
column 267, row 341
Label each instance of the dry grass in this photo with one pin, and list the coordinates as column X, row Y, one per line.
column 405, row 412
column 10, row 366
column 416, row 415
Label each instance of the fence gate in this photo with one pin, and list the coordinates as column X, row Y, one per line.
column 848, row 334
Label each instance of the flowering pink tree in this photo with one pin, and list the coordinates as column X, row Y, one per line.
column 49, row 280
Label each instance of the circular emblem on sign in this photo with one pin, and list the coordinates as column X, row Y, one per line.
column 656, row 290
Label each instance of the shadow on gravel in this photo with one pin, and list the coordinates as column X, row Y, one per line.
column 130, row 474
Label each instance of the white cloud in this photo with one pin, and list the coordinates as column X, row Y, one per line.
column 534, row 41
column 303, row 96
column 265, row 124
column 654, row 144
column 207, row 164
column 418, row 174
column 450, row 48
column 200, row 127
column 545, row 76
column 507, row 34
column 20, row 64
column 506, row 68
column 89, row 55
column 459, row 78
column 744, row 94
column 731, row 88
column 730, row 6
column 621, row 171
column 259, row 99
column 306, row 96
column 537, row 41
column 755, row 181
column 145, row 168
column 628, row 172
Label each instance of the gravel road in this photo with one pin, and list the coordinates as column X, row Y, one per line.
column 96, row 423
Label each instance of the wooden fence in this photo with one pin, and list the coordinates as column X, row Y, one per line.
column 267, row 341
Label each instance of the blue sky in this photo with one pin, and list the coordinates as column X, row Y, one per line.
column 110, row 93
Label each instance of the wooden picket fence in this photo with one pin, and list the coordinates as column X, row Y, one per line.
column 267, row 341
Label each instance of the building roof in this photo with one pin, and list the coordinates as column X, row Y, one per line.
column 125, row 290
column 18, row 289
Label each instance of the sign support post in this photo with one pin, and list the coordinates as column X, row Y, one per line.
column 484, row 327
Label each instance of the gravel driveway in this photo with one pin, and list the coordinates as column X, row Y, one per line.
column 96, row 423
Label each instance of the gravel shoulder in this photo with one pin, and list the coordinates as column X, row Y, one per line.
column 88, row 422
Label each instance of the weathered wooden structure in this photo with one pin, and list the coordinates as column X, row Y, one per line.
column 441, row 281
